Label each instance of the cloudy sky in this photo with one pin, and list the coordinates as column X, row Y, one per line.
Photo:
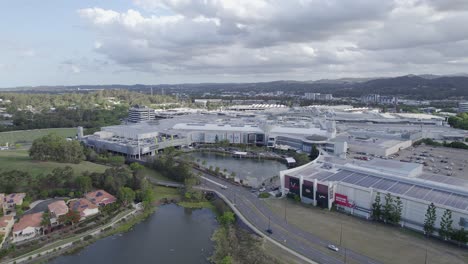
column 55, row 42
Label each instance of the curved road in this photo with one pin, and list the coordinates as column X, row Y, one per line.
column 258, row 214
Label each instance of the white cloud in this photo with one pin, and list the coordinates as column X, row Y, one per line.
column 238, row 37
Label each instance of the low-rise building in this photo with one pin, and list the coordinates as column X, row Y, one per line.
column 84, row 207
column 29, row 226
column 12, row 200
column 6, row 223
column 56, row 210
column 100, row 198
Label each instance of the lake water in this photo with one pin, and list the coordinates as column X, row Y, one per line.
column 255, row 171
column 171, row 235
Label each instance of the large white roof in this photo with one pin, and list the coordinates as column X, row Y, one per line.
column 218, row 127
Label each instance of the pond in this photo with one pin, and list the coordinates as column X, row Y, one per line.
column 253, row 171
column 171, row 235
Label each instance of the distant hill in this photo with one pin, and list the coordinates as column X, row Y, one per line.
column 409, row 86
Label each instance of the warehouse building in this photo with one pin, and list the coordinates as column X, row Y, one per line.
column 353, row 186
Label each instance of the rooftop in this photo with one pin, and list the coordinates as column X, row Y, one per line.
column 100, row 197
column 58, row 208
column 30, row 220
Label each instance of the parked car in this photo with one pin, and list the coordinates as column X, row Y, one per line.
column 333, row 247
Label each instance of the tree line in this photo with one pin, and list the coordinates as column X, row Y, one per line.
column 459, row 121
column 64, row 117
column 390, row 212
column 56, row 148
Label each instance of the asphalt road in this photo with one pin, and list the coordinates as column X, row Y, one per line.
column 258, row 214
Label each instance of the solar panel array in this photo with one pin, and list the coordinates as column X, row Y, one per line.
column 402, row 188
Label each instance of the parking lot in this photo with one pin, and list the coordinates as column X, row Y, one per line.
column 438, row 160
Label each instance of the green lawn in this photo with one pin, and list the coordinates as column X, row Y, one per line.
column 154, row 174
column 196, row 205
column 27, row 136
column 161, row 192
column 19, row 160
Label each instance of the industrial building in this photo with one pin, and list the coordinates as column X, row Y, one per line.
column 352, row 187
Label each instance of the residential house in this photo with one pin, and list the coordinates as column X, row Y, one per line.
column 100, row 197
column 29, row 226
column 84, row 207
column 6, row 223
column 10, row 202
column 57, row 209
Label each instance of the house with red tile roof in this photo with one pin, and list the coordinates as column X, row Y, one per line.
column 100, row 197
column 11, row 200
column 29, row 226
column 6, row 224
column 84, row 207
column 57, row 209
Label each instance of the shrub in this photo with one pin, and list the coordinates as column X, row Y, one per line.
column 264, row 195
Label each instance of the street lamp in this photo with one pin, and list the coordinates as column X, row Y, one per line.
column 285, row 219
column 341, row 240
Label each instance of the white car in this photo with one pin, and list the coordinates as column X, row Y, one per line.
column 333, row 247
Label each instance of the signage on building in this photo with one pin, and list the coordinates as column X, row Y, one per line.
column 294, row 185
column 308, row 189
column 342, row 200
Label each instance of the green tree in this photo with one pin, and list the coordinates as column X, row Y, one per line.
column 377, row 208
column 19, row 211
column 226, row 260
column 397, row 211
column 461, row 236
column 56, row 148
column 72, row 217
column 227, row 218
column 84, row 183
column 126, row 195
column 429, row 222
column 388, row 208
column 135, row 166
column 446, row 225
column 314, row 153
column 45, row 221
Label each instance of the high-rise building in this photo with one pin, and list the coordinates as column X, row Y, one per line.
column 139, row 113
column 318, row 96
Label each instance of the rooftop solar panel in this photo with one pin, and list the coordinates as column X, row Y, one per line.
column 400, row 188
column 323, row 175
column 354, row 178
column 437, row 196
column 457, row 201
column 369, row 181
column 340, row 176
column 418, row 192
column 384, row 184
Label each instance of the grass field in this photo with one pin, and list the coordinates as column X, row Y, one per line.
column 27, row 136
column 19, row 160
column 161, row 192
column 384, row 243
column 154, row 174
